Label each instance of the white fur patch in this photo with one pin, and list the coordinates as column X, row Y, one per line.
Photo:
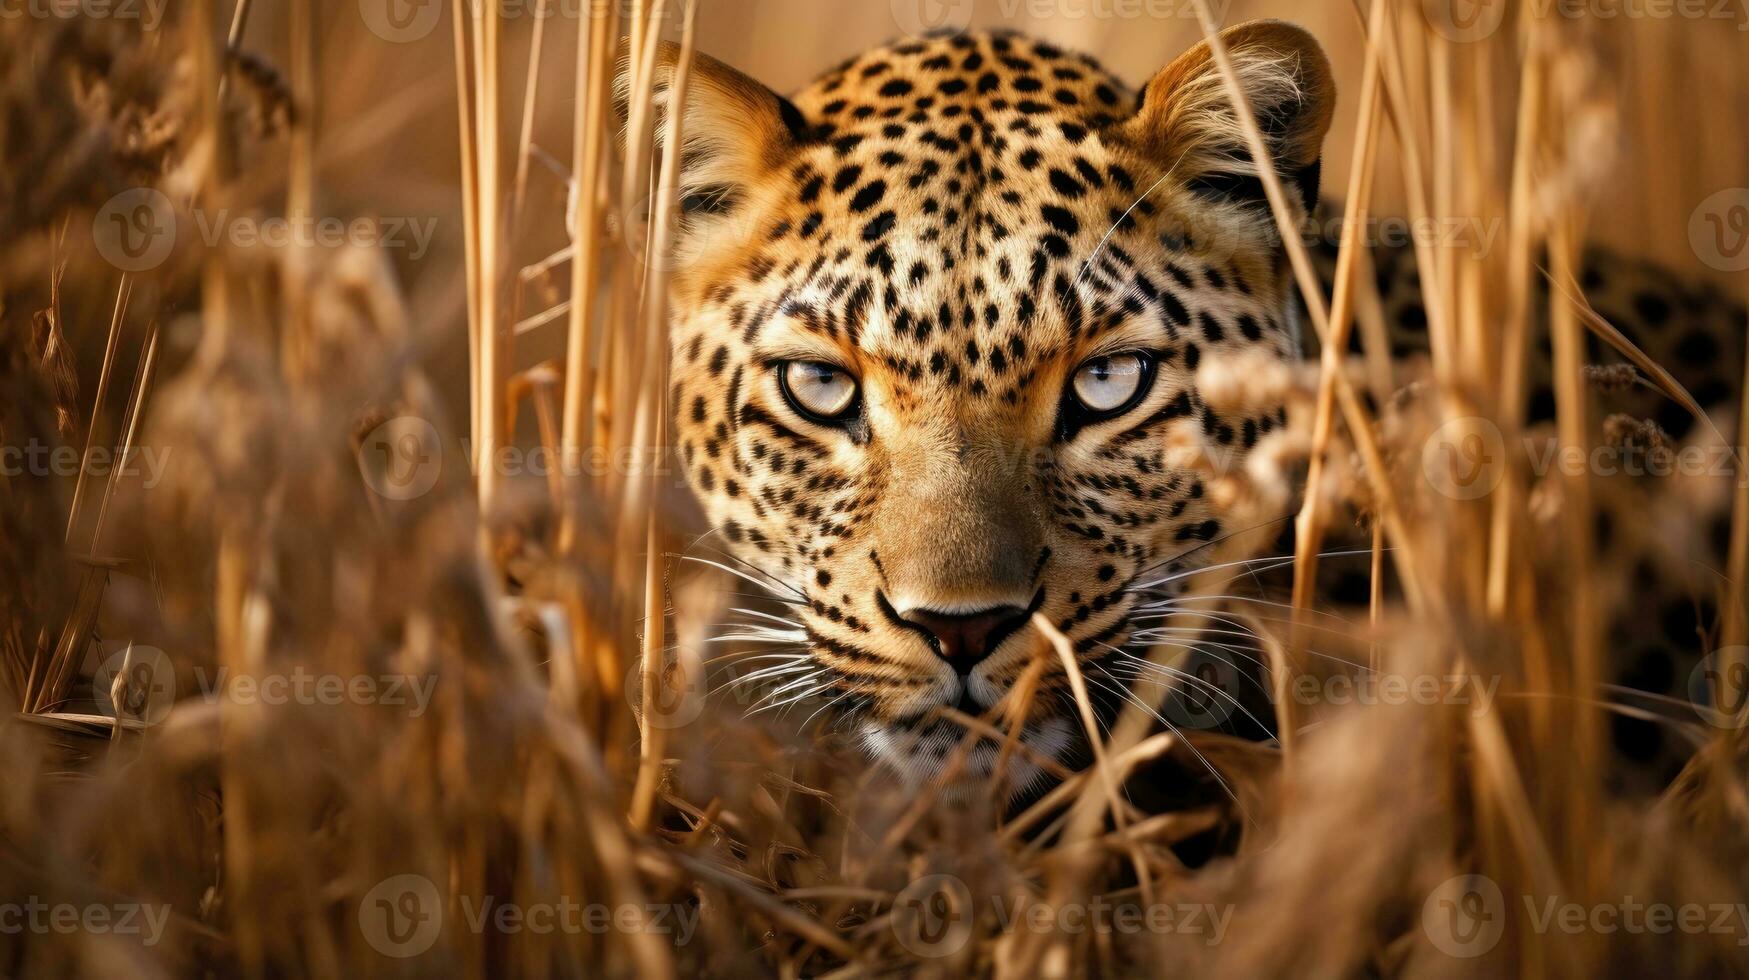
column 918, row 760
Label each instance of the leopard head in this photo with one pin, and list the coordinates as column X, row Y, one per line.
column 936, row 320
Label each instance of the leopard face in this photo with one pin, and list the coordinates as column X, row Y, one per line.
column 936, row 321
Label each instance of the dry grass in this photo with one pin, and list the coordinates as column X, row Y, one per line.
column 567, row 752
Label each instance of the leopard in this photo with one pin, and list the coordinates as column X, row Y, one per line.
column 937, row 316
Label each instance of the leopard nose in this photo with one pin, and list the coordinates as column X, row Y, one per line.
column 965, row 639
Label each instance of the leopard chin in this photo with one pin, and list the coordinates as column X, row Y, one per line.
column 920, row 755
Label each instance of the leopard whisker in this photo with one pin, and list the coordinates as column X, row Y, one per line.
column 1106, row 238
column 796, row 654
column 1121, row 692
column 1195, row 630
column 1142, row 665
column 807, row 679
column 1149, row 616
column 765, row 615
column 1212, row 542
column 738, row 574
column 1251, row 655
column 1154, row 632
column 1181, row 602
column 810, row 719
column 699, row 542
column 816, row 688
column 764, row 673
column 1168, row 680
column 773, row 637
column 1272, row 562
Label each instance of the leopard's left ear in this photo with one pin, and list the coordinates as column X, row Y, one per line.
column 733, row 129
column 1187, row 114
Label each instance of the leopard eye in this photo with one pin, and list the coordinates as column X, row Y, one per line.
column 821, row 392
column 1108, row 385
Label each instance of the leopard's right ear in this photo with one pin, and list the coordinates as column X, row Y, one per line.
column 1188, row 118
column 733, row 128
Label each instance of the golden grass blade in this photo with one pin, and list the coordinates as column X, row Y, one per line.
column 1309, row 536
column 470, row 220
column 123, row 290
column 594, row 63
column 649, row 429
column 495, row 344
column 530, row 95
